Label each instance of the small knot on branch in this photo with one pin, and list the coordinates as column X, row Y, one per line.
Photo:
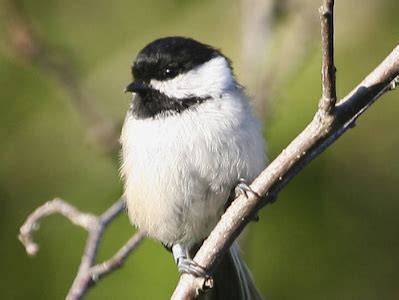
column 326, row 10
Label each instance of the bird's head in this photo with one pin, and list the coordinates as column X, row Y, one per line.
column 172, row 74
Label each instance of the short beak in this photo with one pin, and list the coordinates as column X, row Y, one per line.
column 136, row 86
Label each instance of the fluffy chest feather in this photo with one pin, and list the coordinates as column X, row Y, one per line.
column 179, row 169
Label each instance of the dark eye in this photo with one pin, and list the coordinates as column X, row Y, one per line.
column 170, row 72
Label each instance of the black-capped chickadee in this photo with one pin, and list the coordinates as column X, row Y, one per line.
column 188, row 139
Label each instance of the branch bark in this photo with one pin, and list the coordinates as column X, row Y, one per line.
column 328, row 124
column 88, row 272
column 328, row 70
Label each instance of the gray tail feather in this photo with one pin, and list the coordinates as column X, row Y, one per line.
column 232, row 280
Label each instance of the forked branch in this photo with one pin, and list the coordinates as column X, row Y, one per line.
column 88, row 272
column 328, row 124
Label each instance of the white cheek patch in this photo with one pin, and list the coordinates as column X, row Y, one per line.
column 210, row 79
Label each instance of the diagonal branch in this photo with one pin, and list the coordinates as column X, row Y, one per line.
column 100, row 270
column 328, row 124
column 313, row 140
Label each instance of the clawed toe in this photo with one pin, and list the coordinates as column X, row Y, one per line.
column 188, row 266
column 242, row 188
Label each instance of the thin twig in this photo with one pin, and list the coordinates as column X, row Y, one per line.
column 328, row 98
column 100, row 270
column 84, row 278
column 84, row 220
column 88, row 272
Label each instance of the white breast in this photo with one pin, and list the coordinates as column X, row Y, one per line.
column 179, row 170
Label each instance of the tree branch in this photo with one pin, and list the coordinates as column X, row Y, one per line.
column 84, row 220
column 322, row 131
column 100, row 270
column 88, row 272
column 315, row 138
column 328, row 98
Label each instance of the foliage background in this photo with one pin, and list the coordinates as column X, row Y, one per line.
column 332, row 234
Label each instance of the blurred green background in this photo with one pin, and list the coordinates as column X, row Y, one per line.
column 333, row 232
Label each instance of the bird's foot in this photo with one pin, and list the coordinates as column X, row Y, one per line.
column 242, row 188
column 186, row 265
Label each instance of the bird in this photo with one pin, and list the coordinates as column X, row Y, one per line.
column 188, row 142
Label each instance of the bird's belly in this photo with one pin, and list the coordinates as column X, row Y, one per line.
column 171, row 203
column 170, row 195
